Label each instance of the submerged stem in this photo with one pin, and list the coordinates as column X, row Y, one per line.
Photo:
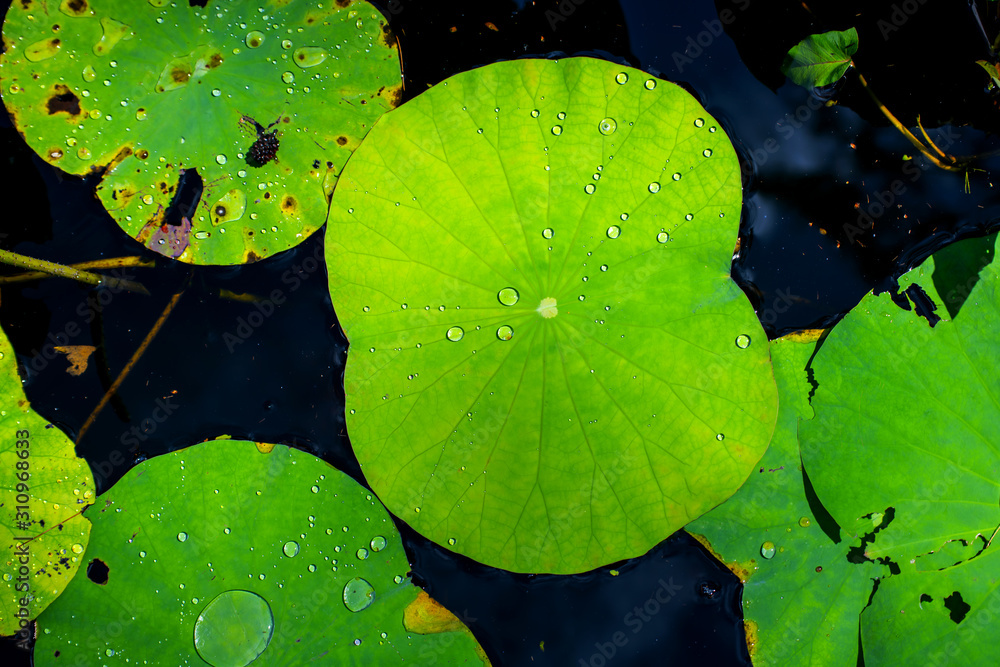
column 51, row 268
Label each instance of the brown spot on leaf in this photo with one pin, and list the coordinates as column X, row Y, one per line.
column 214, row 61
column 63, row 100
column 341, row 140
column 343, row 3
column 180, row 75
column 77, row 6
column 251, row 257
column 289, row 205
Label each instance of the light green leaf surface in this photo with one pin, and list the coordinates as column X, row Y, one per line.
column 819, row 60
column 550, row 367
column 221, row 552
column 907, row 416
column 42, row 531
column 802, row 596
column 153, row 90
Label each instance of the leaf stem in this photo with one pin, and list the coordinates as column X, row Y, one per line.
column 111, row 263
column 43, row 266
column 919, row 145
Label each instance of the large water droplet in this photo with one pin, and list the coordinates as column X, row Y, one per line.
column 621, row 77
column 77, row 548
column 42, row 50
column 767, row 549
column 505, row 332
column 676, row 176
column 707, row 152
column 362, row 554
column 607, row 126
column 309, row 56
column 378, row 543
column 534, row 113
column 743, row 341
column 561, row 115
column 182, row 537
column 557, row 130
column 288, row 77
column 358, row 594
column 221, row 159
column 614, row 231
column 233, row 629
column 140, row 114
column 589, row 188
column 720, row 437
column 254, row 39
column 699, row 122
column 508, row 296
column 662, row 237
column 654, row 187
column 455, row 334
column 547, row 233
column 291, row 549
column 89, row 73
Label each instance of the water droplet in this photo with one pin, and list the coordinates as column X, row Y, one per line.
column 557, row 130
column 182, row 537
column 147, row 199
column 220, row 158
column 624, row 217
column 607, row 126
column 291, row 549
column 288, row 77
column 561, row 115
column 254, row 39
column 362, row 553
column 654, row 187
column 441, row 308
column 804, row 522
column 311, row 568
column 451, row 541
column 286, row 43
column 767, row 550
column 712, row 129
column 621, row 77
column 614, row 231
column 505, row 332
column 699, row 122
column 508, row 296
column 707, row 152
column 455, row 334
column 309, row 56
column 720, row 437
column 71, row 142
column 547, row 233
column 689, row 217
column 398, row 579
column 589, row 188
column 479, row 131
column 43, row 50
column 650, row 84
column 314, row 489
column 604, row 267
column 77, row 548
column 743, row 341
column 676, row 176
column 231, row 614
column 582, row 297
column 142, row 554
column 534, row 113
column 358, row 594
column 662, row 237
column 378, row 543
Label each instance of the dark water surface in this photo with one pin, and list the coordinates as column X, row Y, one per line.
column 812, row 174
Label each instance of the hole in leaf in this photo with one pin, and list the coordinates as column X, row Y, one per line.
column 98, row 571
column 186, row 198
column 922, row 304
column 823, row 517
column 957, row 607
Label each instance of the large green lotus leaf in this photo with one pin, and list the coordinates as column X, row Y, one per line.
column 907, row 420
column 801, row 595
column 941, row 617
column 154, row 90
column 45, row 488
column 551, row 368
column 225, row 551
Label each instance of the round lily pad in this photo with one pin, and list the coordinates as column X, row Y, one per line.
column 230, row 552
column 219, row 131
column 44, row 489
column 550, row 366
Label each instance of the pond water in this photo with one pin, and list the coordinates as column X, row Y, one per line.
column 815, row 175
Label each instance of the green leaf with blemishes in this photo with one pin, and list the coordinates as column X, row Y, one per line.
column 803, row 601
column 42, row 531
column 150, row 90
column 610, row 404
column 819, row 60
column 228, row 550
